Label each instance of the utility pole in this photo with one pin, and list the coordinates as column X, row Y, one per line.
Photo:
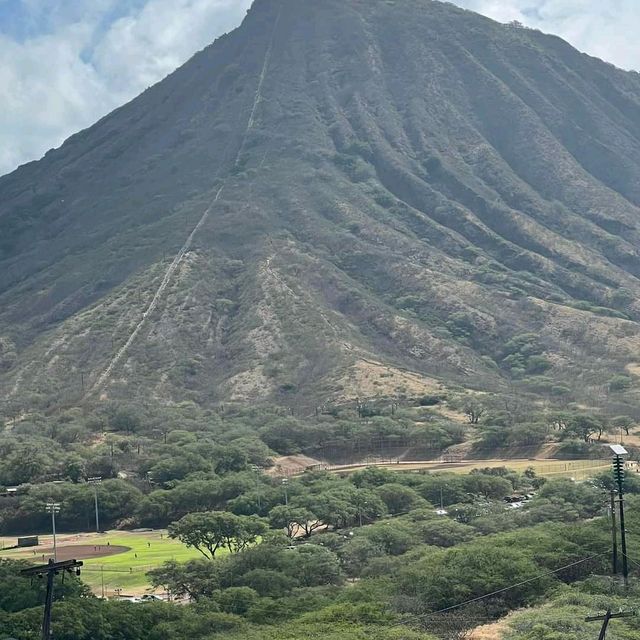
column 360, row 506
column 614, row 533
column 51, row 570
column 285, row 482
column 606, row 618
column 256, row 469
column 95, row 481
column 618, row 474
column 53, row 508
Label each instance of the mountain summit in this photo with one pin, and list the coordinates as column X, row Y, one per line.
column 340, row 198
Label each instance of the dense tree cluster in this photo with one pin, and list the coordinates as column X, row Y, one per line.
column 277, row 560
column 407, row 562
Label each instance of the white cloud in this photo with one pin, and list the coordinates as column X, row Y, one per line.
column 604, row 28
column 93, row 55
column 54, row 84
column 160, row 38
column 47, row 92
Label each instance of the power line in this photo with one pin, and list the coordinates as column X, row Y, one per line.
column 520, row 584
column 606, row 618
column 94, row 569
column 51, row 570
column 632, row 561
column 433, row 614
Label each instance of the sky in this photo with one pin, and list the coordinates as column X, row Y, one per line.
column 66, row 63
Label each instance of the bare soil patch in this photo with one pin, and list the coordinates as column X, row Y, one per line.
column 633, row 368
column 489, row 631
column 79, row 552
column 368, row 379
column 291, row 465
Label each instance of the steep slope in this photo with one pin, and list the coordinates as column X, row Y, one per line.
column 337, row 197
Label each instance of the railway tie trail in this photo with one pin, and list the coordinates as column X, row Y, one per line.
column 119, row 356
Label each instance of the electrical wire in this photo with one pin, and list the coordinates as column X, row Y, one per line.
column 631, row 560
column 433, row 614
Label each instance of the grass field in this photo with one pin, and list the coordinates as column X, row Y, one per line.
column 576, row 469
column 126, row 571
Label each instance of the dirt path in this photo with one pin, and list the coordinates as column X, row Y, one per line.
column 543, row 466
column 177, row 261
column 72, row 552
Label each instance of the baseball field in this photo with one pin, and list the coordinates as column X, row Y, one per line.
column 114, row 562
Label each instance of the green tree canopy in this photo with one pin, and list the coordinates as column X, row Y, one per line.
column 209, row 531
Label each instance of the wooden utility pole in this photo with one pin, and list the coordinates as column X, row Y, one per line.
column 51, row 570
column 606, row 618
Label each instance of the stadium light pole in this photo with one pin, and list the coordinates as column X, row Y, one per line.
column 95, row 481
column 618, row 474
column 53, row 508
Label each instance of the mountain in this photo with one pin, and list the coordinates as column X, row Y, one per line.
column 340, row 198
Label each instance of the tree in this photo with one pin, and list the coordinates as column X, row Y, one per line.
column 450, row 576
column 269, row 583
column 209, row 531
column 473, row 409
column 528, row 434
column 393, row 538
column 293, row 519
column 18, row 593
column 125, row 418
column 314, row 565
column 585, row 426
column 177, row 467
column 229, row 458
column 560, row 420
column 334, row 508
column 357, row 554
column 607, row 482
column 537, row 365
column 368, row 505
column 372, row 477
column 622, row 422
column 446, row 487
column 195, row 579
column 492, row 437
column 586, row 498
column 399, row 499
column 488, row 486
column 74, row 468
column 620, row 383
column 454, row 625
column 236, row 600
column 445, row 532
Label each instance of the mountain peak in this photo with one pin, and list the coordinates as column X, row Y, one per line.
column 337, row 199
